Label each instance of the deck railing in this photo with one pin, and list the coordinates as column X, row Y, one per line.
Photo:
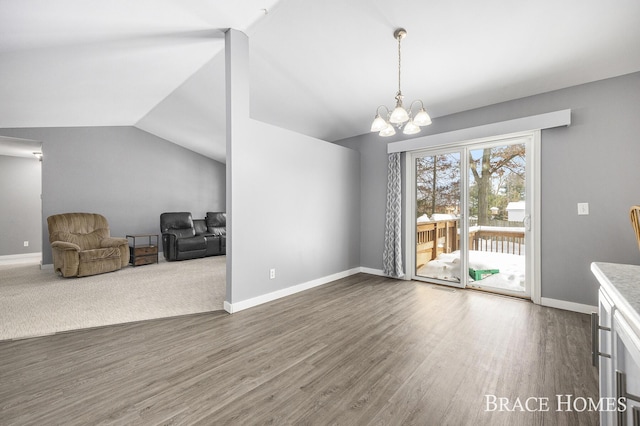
column 434, row 238
column 498, row 240
column 443, row 236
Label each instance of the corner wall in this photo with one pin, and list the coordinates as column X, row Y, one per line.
column 123, row 173
column 294, row 201
column 20, row 208
column 594, row 160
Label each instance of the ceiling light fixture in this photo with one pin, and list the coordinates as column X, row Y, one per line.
column 399, row 116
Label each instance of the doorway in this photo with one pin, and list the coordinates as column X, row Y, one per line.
column 471, row 206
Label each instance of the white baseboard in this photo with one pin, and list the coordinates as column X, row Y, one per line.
column 249, row 303
column 265, row 298
column 544, row 301
column 567, row 306
column 12, row 259
column 372, row 271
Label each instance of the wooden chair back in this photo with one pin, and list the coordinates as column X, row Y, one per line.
column 634, row 214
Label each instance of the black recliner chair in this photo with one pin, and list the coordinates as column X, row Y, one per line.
column 217, row 227
column 179, row 239
column 186, row 238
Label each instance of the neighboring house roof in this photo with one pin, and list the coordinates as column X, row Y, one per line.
column 516, row 205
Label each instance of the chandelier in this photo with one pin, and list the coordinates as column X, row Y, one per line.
column 399, row 116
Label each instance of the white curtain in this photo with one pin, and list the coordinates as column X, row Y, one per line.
column 392, row 255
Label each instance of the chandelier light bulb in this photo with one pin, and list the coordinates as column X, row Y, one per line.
column 399, row 115
column 378, row 124
column 411, row 128
column 422, row 118
column 388, row 131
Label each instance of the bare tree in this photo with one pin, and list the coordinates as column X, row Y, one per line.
column 437, row 183
column 505, row 159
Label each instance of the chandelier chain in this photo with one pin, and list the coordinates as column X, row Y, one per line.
column 399, row 63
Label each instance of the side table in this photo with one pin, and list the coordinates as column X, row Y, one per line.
column 143, row 249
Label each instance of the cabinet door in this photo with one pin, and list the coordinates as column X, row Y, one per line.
column 626, row 362
column 607, row 373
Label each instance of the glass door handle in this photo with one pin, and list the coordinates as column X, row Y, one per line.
column 527, row 222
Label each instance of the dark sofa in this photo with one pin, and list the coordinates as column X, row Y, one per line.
column 186, row 238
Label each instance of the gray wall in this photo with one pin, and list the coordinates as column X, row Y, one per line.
column 296, row 205
column 20, row 208
column 595, row 160
column 294, row 200
column 124, row 173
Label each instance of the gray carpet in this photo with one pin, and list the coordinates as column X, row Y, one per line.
column 35, row 302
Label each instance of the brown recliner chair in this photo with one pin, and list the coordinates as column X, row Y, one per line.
column 81, row 245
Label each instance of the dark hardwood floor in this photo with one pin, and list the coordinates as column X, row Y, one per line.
column 363, row 350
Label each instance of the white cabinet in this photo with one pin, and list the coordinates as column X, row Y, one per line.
column 616, row 338
column 626, row 365
column 602, row 352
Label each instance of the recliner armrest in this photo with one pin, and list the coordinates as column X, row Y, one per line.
column 63, row 245
column 169, row 245
column 113, row 242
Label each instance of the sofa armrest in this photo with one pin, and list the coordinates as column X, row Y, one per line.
column 169, row 245
column 63, row 245
column 113, row 242
column 169, row 238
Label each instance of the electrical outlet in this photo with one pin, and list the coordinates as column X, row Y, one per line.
column 26, row 243
column 272, row 273
column 583, row 209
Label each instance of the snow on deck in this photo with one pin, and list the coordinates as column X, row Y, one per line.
column 512, row 269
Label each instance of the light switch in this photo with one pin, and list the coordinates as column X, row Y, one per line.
column 583, row 208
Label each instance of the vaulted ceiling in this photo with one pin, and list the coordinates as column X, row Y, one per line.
column 319, row 68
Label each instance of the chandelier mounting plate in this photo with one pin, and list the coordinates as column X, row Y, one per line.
column 400, row 33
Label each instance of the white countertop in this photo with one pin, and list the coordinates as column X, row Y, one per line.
column 621, row 283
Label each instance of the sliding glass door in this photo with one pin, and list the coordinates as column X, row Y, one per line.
column 472, row 210
column 497, row 216
column 438, row 183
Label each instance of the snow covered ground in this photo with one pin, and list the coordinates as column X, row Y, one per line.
column 512, row 268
